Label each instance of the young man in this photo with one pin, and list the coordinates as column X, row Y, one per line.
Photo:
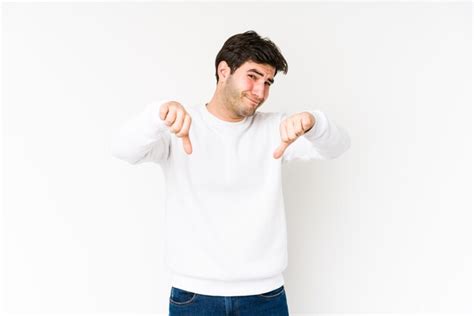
column 226, row 243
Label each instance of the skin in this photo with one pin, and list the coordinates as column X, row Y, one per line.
column 237, row 96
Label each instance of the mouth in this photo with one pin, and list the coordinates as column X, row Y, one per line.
column 253, row 101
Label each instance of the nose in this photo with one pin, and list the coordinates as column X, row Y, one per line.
column 259, row 90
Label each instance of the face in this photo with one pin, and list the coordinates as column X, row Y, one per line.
column 247, row 88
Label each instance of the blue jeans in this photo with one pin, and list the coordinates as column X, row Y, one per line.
column 271, row 303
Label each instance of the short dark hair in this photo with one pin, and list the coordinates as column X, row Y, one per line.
column 250, row 46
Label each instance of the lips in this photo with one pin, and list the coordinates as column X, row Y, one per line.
column 253, row 101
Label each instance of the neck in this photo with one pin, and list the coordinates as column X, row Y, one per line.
column 220, row 108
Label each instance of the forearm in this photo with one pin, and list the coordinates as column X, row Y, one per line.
column 144, row 137
column 328, row 139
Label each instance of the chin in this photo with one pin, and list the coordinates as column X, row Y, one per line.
column 252, row 112
column 248, row 111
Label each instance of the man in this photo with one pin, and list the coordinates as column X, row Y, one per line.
column 226, row 243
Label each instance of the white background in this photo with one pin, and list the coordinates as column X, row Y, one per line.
column 385, row 228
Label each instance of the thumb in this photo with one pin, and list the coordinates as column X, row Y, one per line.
column 280, row 150
column 188, row 148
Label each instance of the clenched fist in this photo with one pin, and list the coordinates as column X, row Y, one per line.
column 291, row 128
column 178, row 121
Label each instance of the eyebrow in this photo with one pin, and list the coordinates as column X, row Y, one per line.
column 259, row 73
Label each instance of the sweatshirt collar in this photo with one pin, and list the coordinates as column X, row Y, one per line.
column 217, row 122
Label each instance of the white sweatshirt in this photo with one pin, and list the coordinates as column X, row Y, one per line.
column 224, row 210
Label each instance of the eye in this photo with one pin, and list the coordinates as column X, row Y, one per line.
column 252, row 76
column 268, row 84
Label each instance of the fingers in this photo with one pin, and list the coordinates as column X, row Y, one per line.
column 184, row 130
column 284, row 141
column 283, row 132
column 164, row 111
column 280, row 150
column 171, row 116
column 290, row 129
column 184, row 134
column 188, row 148
column 295, row 129
column 179, row 122
column 299, row 128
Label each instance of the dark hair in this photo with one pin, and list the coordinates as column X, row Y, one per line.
column 250, row 46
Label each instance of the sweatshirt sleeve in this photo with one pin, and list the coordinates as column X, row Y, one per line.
column 143, row 138
column 325, row 140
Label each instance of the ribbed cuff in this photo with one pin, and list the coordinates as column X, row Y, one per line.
column 319, row 127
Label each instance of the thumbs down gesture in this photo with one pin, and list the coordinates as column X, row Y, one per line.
column 291, row 128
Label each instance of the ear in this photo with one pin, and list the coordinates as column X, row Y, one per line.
column 223, row 71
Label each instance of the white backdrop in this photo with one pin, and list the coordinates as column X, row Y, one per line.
column 385, row 228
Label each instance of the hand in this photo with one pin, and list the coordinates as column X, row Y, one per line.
column 293, row 127
column 178, row 121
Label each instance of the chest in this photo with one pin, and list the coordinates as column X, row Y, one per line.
column 227, row 162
